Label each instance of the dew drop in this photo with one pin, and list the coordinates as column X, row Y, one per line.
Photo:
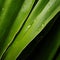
column 42, row 25
column 28, row 26
column 2, row 9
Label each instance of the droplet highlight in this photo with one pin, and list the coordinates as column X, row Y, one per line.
column 2, row 9
column 28, row 26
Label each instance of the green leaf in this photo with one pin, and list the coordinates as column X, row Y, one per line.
column 33, row 44
column 1, row 5
column 31, row 30
column 8, row 20
column 47, row 48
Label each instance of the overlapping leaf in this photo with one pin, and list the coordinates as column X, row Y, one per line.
column 32, row 28
column 12, row 18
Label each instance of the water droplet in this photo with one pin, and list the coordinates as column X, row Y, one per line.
column 28, row 26
column 42, row 25
column 2, row 9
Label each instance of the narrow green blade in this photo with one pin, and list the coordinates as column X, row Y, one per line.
column 30, row 30
column 24, row 11
column 47, row 48
column 1, row 5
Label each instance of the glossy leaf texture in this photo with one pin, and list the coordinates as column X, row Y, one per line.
column 12, row 19
column 46, row 49
column 22, row 20
column 28, row 51
column 32, row 28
